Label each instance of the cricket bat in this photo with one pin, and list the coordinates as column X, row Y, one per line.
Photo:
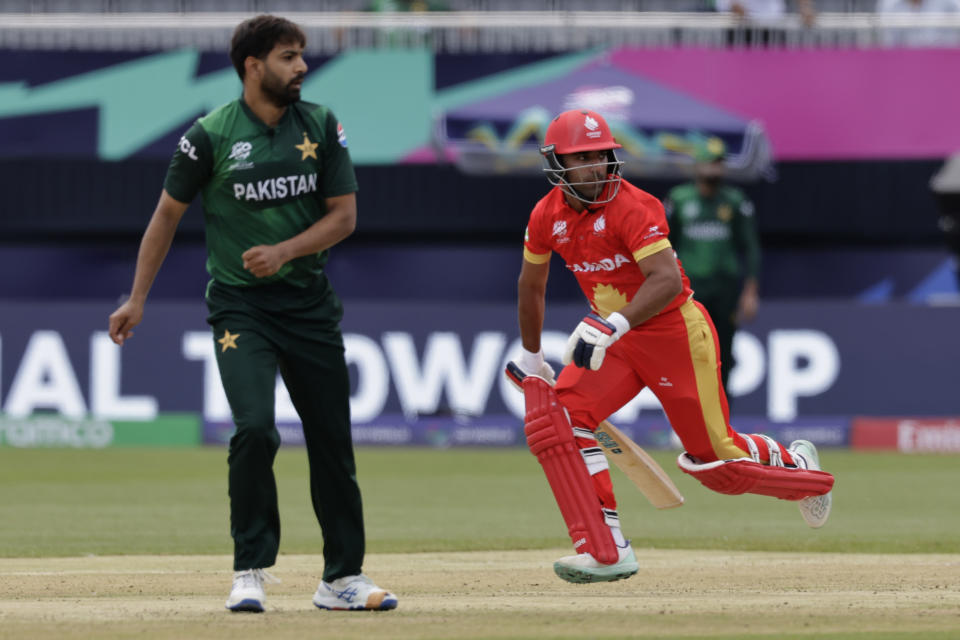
column 648, row 476
column 635, row 463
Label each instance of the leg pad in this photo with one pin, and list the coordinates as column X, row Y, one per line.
column 746, row 476
column 550, row 438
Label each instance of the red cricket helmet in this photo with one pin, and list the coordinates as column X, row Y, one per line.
column 576, row 131
column 579, row 130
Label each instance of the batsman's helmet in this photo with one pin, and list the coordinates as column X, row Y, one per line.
column 575, row 131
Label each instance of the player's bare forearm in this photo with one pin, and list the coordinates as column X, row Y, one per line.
column 531, row 295
column 530, row 313
column 661, row 285
column 155, row 244
column 153, row 249
column 338, row 223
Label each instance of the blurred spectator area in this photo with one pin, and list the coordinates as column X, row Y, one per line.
column 176, row 6
column 819, row 211
column 467, row 26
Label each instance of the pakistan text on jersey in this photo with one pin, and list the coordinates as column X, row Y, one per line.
column 607, row 264
column 275, row 188
column 708, row 231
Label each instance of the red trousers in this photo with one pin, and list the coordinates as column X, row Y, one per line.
column 677, row 355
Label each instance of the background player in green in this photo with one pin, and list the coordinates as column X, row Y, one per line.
column 713, row 230
column 278, row 191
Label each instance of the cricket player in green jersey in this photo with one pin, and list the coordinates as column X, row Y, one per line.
column 278, row 190
column 713, row 230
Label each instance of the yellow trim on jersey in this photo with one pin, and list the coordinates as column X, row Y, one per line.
column 651, row 249
column 536, row 258
column 704, row 356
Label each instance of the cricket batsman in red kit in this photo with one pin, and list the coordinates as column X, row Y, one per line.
column 645, row 329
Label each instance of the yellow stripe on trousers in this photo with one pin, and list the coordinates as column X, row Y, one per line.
column 704, row 356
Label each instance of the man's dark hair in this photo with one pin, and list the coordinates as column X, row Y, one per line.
column 258, row 36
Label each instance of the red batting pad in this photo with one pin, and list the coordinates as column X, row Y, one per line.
column 550, row 438
column 746, row 476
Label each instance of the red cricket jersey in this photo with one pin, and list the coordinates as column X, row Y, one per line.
column 602, row 246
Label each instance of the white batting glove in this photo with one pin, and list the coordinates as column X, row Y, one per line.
column 589, row 342
column 530, row 363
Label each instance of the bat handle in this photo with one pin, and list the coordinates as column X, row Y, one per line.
column 515, row 372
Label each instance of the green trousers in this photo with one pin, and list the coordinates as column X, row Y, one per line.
column 257, row 333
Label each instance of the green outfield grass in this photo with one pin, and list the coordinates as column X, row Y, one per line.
column 165, row 501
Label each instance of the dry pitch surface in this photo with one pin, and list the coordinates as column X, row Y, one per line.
column 495, row 595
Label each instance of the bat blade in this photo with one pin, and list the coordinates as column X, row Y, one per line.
column 648, row 476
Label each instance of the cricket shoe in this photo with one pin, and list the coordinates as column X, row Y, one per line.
column 247, row 593
column 353, row 593
column 814, row 509
column 583, row 567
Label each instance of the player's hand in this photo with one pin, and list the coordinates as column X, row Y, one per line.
column 263, row 260
column 529, row 364
column 749, row 302
column 123, row 320
column 589, row 342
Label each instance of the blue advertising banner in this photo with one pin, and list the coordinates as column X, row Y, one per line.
column 507, row 430
column 431, row 373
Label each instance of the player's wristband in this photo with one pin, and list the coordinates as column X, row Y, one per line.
column 620, row 322
column 530, row 361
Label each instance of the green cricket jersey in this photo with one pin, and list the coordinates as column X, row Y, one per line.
column 261, row 185
column 716, row 238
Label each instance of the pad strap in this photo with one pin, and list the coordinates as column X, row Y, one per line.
column 773, row 450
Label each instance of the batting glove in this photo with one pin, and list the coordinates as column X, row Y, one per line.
column 529, row 363
column 589, row 342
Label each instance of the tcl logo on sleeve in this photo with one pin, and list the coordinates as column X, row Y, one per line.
column 187, row 148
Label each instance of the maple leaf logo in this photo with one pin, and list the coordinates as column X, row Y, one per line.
column 607, row 299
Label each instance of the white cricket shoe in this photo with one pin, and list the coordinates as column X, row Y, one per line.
column 583, row 567
column 247, row 593
column 353, row 593
column 814, row 509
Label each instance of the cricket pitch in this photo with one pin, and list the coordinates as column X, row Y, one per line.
column 496, row 594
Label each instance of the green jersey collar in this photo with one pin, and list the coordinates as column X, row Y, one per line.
column 254, row 118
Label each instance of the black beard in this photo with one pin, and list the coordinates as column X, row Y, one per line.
column 280, row 96
column 711, row 182
column 585, row 197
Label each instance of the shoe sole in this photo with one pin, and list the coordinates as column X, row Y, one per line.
column 813, row 521
column 580, row 576
column 385, row 604
column 247, row 606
